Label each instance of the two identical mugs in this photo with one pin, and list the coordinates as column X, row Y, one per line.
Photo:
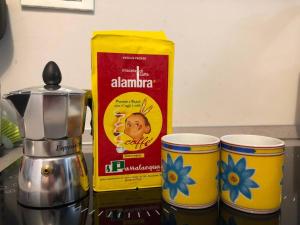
column 247, row 171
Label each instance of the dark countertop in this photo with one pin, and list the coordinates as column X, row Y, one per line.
column 145, row 206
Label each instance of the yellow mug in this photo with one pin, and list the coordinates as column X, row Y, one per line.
column 190, row 170
column 251, row 172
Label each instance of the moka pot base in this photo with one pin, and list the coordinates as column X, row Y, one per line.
column 53, row 181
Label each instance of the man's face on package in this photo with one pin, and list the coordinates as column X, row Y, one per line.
column 136, row 125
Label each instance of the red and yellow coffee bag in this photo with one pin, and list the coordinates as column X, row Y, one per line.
column 132, row 75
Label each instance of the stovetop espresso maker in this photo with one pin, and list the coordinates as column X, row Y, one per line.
column 51, row 120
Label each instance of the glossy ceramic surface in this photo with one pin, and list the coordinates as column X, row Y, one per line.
column 252, row 173
column 190, row 170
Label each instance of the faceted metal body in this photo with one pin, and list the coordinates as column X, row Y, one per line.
column 50, row 115
column 53, row 170
column 49, row 182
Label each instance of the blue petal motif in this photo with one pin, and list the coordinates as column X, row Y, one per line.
column 184, row 189
column 181, row 172
column 178, row 163
column 173, row 192
column 234, row 193
column 169, row 160
column 224, row 176
column 230, row 162
column 188, row 180
column 223, row 165
column 247, row 173
column 242, row 182
column 225, row 187
column 164, row 186
column 250, row 183
column 241, row 165
column 245, row 191
column 164, row 164
column 184, row 171
column 164, row 176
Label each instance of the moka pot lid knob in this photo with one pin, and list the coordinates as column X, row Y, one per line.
column 51, row 76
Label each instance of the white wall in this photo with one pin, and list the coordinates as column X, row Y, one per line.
column 236, row 62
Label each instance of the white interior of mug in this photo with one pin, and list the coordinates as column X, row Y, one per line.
column 252, row 140
column 190, row 139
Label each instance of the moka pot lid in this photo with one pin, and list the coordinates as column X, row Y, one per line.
column 52, row 78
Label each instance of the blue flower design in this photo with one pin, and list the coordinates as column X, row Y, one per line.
column 236, row 178
column 175, row 176
column 218, row 176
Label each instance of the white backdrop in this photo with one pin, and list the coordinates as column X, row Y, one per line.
column 236, row 62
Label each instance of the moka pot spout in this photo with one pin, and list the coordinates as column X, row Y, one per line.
column 19, row 101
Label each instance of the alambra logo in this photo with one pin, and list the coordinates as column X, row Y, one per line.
column 132, row 83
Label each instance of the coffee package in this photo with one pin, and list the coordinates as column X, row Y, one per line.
column 132, row 74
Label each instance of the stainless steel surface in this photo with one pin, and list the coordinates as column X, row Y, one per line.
column 49, row 182
column 33, row 119
column 13, row 154
column 51, row 119
column 52, row 116
column 38, row 90
column 55, row 112
column 52, row 148
column 76, row 114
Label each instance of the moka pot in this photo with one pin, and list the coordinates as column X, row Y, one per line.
column 51, row 120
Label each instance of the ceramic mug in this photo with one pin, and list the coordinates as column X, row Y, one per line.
column 251, row 172
column 190, row 170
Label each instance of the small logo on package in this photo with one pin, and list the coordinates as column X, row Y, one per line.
column 115, row 166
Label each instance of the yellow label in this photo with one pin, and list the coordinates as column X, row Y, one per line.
column 132, row 121
column 133, row 156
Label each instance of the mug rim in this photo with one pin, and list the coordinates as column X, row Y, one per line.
column 252, row 140
column 187, row 142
